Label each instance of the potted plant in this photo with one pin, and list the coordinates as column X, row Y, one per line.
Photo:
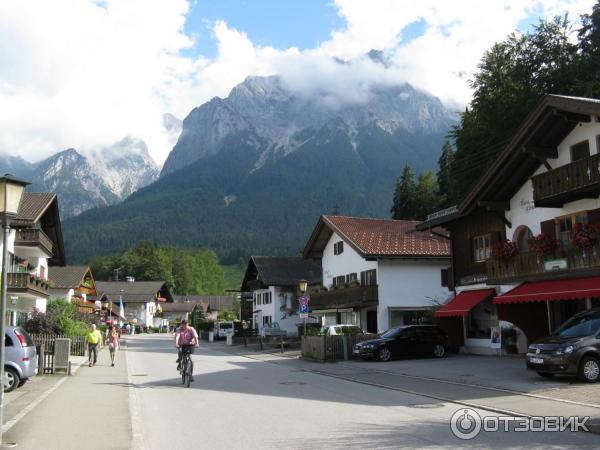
column 542, row 244
column 506, row 250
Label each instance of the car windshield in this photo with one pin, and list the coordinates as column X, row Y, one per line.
column 391, row 333
column 580, row 326
column 225, row 325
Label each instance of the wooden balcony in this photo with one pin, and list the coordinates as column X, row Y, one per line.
column 580, row 179
column 33, row 239
column 25, row 284
column 564, row 261
column 345, row 297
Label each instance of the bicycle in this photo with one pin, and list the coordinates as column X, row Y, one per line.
column 187, row 365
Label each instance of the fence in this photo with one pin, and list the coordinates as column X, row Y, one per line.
column 47, row 341
column 331, row 348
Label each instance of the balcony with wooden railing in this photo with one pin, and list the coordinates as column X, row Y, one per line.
column 27, row 285
column 563, row 261
column 352, row 296
column 32, row 238
column 574, row 181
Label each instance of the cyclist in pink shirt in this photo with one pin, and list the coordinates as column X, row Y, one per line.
column 185, row 339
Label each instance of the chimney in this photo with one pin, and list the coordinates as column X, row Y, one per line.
column 130, row 279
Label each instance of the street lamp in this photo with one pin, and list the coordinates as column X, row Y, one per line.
column 11, row 192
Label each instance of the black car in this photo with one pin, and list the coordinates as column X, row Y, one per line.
column 573, row 349
column 410, row 340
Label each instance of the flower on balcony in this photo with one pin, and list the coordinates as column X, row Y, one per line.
column 507, row 249
column 541, row 244
column 584, row 236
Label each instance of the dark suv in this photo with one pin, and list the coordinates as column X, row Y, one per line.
column 410, row 340
column 573, row 349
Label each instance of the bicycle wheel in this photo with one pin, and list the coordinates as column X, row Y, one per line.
column 189, row 369
column 184, row 365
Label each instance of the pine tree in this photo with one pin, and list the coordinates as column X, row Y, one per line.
column 444, row 176
column 404, row 206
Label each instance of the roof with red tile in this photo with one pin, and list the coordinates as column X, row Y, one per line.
column 378, row 238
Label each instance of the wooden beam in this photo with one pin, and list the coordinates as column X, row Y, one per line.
column 541, row 152
column 494, row 206
column 572, row 117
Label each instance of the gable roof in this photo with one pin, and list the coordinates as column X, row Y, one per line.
column 536, row 139
column 377, row 238
column 41, row 209
column 281, row 271
column 67, row 277
column 179, row 306
column 133, row 291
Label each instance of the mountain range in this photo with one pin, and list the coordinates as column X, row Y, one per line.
column 100, row 177
column 252, row 172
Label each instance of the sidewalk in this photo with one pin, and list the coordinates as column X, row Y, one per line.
column 89, row 410
column 496, row 384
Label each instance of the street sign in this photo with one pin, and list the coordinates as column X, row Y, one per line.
column 303, row 309
column 304, row 315
column 303, row 300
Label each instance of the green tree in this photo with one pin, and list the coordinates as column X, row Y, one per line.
column 427, row 198
column 512, row 76
column 404, row 206
column 444, row 176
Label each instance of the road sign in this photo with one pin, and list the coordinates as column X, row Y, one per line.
column 303, row 309
column 304, row 315
column 303, row 300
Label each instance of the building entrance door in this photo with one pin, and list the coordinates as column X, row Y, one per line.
column 371, row 321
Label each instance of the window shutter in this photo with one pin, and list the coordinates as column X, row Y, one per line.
column 548, row 228
column 445, row 274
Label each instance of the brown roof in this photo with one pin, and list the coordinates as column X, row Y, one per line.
column 69, row 277
column 32, row 207
column 133, row 291
column 281, row 271
column 214, row 302
column 373, row 238
column 179, row 307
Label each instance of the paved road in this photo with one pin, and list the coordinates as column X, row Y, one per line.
column 240, row 402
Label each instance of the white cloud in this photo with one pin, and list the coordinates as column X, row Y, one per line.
column 85, row 74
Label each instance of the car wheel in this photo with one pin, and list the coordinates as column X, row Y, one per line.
column 439, row 351
column 589, row 369
column 545, row 374
column 22, row 382
column 11, row 379
column 384, row 354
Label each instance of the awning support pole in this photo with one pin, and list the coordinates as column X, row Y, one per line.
column 549, row 319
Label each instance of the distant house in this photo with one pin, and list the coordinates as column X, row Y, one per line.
column 377, row 273
column 175, row 312
column 35, row 243
column 73, row 283
column 140, row 298
column 211, row 304
column 274, row 284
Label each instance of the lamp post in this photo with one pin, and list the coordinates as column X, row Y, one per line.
column 11, row 192
column 302, row 285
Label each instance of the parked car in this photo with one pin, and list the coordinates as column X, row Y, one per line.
column 222, row 329
column 272, row 329
column 573, row 349
column 410, row 340
column 336, row 330
column 20, row 358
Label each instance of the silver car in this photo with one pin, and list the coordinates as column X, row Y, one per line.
column 20, row 358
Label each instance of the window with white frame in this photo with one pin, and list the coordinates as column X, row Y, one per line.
column 482, row 247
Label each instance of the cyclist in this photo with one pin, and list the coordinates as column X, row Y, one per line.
column 185, row 340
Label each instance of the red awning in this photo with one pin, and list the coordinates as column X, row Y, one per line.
column 464, row 302
column 539, row 291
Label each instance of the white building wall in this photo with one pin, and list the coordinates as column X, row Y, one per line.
column 349, row 261
column 522, row 210
column 413, row 283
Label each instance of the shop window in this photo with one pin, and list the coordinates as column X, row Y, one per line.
column 580, row 151
column 482, row 247
column 368, row 277
column 338, row 248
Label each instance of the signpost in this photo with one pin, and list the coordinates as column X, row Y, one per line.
column 303, row 301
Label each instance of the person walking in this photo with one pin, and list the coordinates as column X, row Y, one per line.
column 93, row 338
column 112, row 340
